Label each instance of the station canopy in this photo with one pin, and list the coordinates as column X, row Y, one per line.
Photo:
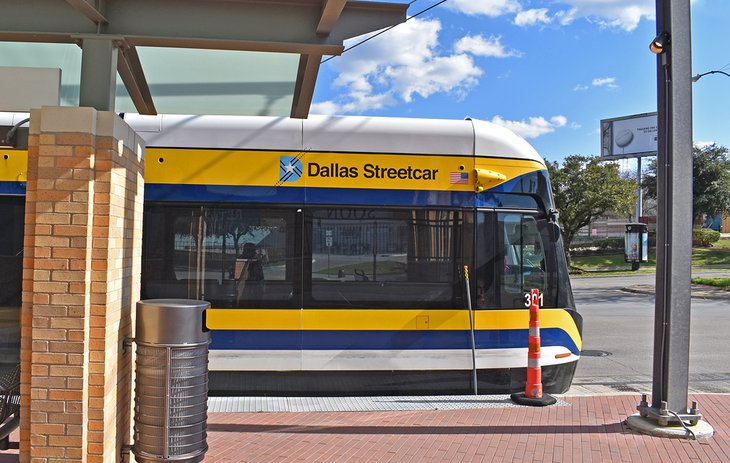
column 240, row 57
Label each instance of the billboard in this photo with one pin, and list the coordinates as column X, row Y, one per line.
column 629, row 136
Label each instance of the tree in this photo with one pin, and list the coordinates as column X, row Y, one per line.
column 585, row 189
column 710, row 179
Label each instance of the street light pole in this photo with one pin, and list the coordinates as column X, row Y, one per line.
column 670, row 382
column 699, row 76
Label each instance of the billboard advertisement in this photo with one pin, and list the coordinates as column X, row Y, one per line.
column 629, row 136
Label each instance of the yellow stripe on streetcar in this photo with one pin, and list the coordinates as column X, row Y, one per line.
column 13, row 165
column 253, row 319
column 325, row 169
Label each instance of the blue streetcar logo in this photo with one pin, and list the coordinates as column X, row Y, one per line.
column 290, row 169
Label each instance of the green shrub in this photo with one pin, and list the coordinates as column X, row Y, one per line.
column 704, row 237
column 604, row 244
column 609, row 243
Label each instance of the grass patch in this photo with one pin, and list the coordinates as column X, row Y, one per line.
column 722, row 283
column 614, row 261
column 718, row 254
column 722, row 244
column 711, row 256
column 601, row 271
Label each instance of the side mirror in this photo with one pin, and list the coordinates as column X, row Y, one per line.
column 552, row 216
column 554, row 231
column 552, row 225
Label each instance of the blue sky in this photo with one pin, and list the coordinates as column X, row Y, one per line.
column 548, row 69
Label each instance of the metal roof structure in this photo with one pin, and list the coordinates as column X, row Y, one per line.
column 167, row 49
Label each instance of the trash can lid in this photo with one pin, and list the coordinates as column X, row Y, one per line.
column 171, row 322
column 172, row 303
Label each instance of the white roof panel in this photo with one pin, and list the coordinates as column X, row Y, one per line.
column 388, row 135
column 225, row 132
column 494, row 140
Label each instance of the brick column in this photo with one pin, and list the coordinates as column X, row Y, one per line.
column 81, row 274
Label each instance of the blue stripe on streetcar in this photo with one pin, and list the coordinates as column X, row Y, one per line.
column 222, row 193
column 283, row 194
column 12, row 188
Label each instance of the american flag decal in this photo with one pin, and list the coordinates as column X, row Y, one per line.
column 459, row 178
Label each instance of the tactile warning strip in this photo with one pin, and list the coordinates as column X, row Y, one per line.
column 359, row 404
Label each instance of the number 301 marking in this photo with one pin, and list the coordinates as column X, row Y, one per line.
column 528, row 300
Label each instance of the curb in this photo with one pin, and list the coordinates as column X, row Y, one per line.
column 698, row 291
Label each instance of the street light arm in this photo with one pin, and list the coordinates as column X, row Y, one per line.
column 699, row 76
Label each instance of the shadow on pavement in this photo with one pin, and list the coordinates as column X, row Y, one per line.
column 415, row 430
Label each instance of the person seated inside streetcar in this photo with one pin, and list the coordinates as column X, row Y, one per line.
column 249, row 273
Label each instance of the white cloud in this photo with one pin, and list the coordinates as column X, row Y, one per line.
column 532, row 17
column 533, row 127
column 609, row 82
column 381, row 73
column 704, row 144
column 491, row 8
column 622, row 14
column 558, row 121
column 325, row 107
column 355, row 102
column 440, row 74
column 479, row 46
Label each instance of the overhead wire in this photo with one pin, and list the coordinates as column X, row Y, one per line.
column 385, row 30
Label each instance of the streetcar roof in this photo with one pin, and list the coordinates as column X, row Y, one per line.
column 357, row 134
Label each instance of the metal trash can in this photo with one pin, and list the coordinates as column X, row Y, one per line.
column 171, row 388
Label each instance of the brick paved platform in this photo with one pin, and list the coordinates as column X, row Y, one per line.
column 587, row 429
column 578, row 429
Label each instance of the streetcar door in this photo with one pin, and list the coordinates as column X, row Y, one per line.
column 174, row 258
column 190, row 260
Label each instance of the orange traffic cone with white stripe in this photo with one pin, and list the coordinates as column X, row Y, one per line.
column 533, row 387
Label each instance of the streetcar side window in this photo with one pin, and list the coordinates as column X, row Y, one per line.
column 383, row 258
column 231, row 256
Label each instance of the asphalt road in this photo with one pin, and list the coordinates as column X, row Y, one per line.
column 618, row 336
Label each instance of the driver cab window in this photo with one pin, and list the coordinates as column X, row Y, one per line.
column 522, row 255
column 511, row 259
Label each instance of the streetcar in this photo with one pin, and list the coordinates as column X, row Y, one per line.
column 332, row 251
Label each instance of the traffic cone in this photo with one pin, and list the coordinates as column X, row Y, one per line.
column 533, row 387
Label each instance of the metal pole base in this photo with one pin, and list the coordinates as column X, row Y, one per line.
column 666, row 417
column 519, row 398
column 697, row 431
